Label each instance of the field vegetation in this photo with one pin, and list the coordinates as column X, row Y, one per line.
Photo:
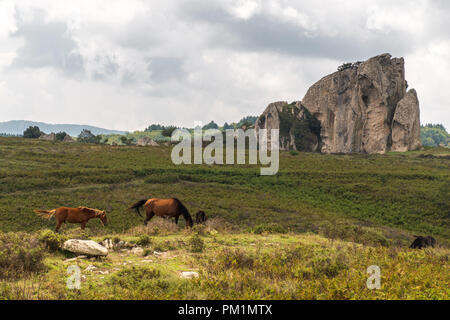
column 310, row 232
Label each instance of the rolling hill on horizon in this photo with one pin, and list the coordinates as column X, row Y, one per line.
column 17, row 127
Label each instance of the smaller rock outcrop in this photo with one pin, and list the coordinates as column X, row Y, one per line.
column 147, row 141
column 406, row 124
column 68, row 138
column 299, row 129
column 85, row 247
column 48, row 137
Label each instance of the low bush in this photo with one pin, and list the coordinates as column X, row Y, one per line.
column 157, row 226
column 144, row 240
column 51, row 240
column 196, row 244
column 20, row 253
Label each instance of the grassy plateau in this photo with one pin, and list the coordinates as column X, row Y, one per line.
column 309, row 232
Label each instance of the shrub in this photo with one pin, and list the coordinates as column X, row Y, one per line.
column 51, row 240
column 196, row 244
column 234, row 258
column 60, row 136
column 167, row 131
column 20, row 253
column 293, row 153
column 134, row 276
column 268, row 228
column 86, row 136
column 32, row 133
column 144, row 240
column 157, row 226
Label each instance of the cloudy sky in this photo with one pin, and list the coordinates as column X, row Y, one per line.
column 126, row 64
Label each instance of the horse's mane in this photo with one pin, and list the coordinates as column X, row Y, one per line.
column 96, row 211
column 184, row 210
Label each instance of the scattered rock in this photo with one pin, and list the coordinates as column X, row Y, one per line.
column 76, row 258
column 90, row 268
column 68, row 138
column 147, row 260
column 103, row 272
column 188, row 274
column 156, row 253
column 137, row 251
column 108, row 244
column 85, row 247
column 147, row 141
column 48, row 137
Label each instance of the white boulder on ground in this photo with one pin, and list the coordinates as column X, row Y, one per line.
column 86, row 247
column 188, row 274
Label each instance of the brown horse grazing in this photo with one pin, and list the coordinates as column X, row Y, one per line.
column 73, row 215
column 163, row 208
column 200, row 217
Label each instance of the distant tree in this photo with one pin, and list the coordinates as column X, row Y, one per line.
column 32, row 133
column 433, row 135
column 60, row 136
column 154, row 127
column 211, row 125
column 127, row 141
column 349, row 65
column 167, row 131
column 247, row 121
column 227, row 126
column 86, row 136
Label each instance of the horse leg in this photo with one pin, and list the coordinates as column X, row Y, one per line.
column 83, row 225
column 58, row 226
column 149, row 217
column 176, row 220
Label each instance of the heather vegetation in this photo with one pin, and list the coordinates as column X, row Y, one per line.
column 309, row 232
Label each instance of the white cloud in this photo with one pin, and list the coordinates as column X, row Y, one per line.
column 126, row 64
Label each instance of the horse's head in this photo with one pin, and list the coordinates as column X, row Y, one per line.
column 103, row 218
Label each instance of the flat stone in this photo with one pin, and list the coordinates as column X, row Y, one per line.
column 85, row 247
column 188, row 274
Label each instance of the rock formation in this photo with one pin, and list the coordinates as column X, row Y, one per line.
column 363, row 108
column 147, row 141
column 406, row 125
column 68, row 138
column 299, row 130
column 48, row 137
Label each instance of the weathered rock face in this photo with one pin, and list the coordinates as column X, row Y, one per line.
column 48, row 137
column 299, row 130
column 366, row 108
column 146, row 141
column 86, row 247
column 68, row 138
column 406, row 124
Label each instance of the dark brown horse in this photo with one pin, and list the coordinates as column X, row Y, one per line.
column 166, row 208
column 200, row 217
column 73, row 215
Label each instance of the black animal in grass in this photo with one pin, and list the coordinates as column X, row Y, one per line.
column 200, row 217
column 423, row 242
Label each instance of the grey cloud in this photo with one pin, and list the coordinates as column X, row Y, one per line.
column 47, row 45
column 264, row 33
column 165, row 68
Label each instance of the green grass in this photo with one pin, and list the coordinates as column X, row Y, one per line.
column 362, row 198
column 243, row 266
column 309, row 232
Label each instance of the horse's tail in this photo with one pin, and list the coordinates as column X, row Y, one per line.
column 185, row 213
column 138, row 205
column 46, row 214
